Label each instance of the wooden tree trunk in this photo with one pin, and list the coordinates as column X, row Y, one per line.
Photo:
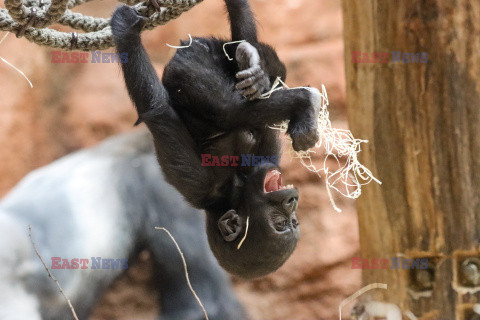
column 423, row 124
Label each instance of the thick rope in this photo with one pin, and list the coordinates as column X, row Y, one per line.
column 55, row 11
column 29, row 18
column 21, row 13
column 17, row 10
column 78, row 21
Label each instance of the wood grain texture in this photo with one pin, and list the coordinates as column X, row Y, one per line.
column 423, row 124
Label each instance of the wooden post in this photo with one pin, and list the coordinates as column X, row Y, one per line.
column 423, row 123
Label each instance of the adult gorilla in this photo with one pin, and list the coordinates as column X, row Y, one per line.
column 104, row 202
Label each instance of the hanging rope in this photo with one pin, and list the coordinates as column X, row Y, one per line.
column 30, row 19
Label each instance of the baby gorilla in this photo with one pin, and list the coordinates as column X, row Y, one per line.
column 208, row 104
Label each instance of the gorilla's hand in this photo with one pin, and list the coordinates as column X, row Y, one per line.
column 126, row 22
column 253, row 80
column 303, row 128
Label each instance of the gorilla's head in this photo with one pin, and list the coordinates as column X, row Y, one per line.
column 272, row 231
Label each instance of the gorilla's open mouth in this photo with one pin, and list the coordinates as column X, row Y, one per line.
column 273, row 182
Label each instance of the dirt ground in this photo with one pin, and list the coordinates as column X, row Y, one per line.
column 76, row 105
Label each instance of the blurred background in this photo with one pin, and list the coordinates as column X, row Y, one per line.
column 75, row 105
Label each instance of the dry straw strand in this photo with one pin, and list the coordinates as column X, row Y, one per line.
column 410, row 315
column 226, row 44
column 358, row 294
column 182, row 47
column 12, row 66
column 186, row 270
column 245, row 236
column 3, row 38
column 50, row 274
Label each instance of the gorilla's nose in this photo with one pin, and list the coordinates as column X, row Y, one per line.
column 290, row 203
column 294, row 221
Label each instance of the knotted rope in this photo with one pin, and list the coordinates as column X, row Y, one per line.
column 30, row 18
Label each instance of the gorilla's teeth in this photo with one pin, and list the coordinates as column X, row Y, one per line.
column 288, row 186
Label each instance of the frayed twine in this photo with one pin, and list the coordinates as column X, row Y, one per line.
column 358, row 294
column 186, row 270
column 182, row 47
column 349, row 178
column 12, row 66
column 245, row 236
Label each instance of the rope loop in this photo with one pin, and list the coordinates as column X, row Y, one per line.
column 30, row 19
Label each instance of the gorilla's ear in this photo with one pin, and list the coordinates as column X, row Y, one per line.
column 230, row 225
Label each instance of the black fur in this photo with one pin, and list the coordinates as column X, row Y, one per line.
column 208, row 104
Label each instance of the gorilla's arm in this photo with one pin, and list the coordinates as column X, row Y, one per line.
column 242, row 21
column 176, row 150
